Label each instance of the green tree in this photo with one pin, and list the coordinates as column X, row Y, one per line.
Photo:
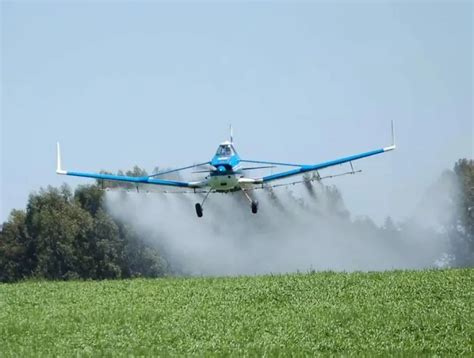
column 89, row 197
column 108, row 247
column 61, row 232
column 136, row 172
column 462, row 230
column 17, row 249
column 141, row 259
column 111, row 184
column 66, row 236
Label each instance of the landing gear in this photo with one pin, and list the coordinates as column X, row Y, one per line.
column 254, row 207
column 199, row 210
column 253, row 203
column 200, row 205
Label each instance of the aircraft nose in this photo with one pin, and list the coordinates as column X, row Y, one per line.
column 221, row 168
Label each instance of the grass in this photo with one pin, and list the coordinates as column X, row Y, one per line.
column 390, row 313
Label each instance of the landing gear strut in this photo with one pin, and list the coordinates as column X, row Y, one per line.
column 253, row 203
column 200, row 205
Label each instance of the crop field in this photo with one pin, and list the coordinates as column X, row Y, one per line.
column 398, row 312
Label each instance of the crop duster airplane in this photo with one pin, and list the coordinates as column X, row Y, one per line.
column 226, row 172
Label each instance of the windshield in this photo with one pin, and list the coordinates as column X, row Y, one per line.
column 224, row 151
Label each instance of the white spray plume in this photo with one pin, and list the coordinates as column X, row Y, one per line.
column 300, row 229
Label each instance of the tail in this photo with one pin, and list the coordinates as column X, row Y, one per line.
column 231, row 134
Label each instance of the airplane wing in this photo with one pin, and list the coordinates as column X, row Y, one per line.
column 138, row 180
column 301, row 169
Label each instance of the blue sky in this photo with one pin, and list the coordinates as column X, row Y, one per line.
column 156, row 84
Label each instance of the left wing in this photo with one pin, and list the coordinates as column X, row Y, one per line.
column 308, row 168
column 137, row 180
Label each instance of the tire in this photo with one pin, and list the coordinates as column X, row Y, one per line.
column 199, row 210
column 254, row 207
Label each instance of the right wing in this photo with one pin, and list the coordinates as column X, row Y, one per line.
column 310, row 168
column 301, row 169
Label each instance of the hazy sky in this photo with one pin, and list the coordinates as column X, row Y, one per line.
column 125, row 83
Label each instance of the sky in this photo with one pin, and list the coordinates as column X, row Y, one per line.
column 157, row 84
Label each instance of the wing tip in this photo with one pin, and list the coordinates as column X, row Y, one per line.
column 59, row 170
column 388, row 149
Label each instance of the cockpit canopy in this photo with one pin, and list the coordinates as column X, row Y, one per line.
column 225, row 150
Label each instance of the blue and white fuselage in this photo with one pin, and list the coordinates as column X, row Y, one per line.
column 227, row 168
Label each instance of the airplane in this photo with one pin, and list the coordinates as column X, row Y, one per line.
column 226, row 172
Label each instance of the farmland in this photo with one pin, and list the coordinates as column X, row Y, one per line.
column 408, row 312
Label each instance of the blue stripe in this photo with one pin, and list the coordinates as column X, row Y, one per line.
column 308, row 168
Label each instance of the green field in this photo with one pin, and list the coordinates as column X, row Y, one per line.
column 395, row 312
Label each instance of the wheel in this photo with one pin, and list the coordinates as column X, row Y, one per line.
column 199, row 210
column 254, row 207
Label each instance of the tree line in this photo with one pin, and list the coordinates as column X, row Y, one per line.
column 68, row 235
column 64, row 234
